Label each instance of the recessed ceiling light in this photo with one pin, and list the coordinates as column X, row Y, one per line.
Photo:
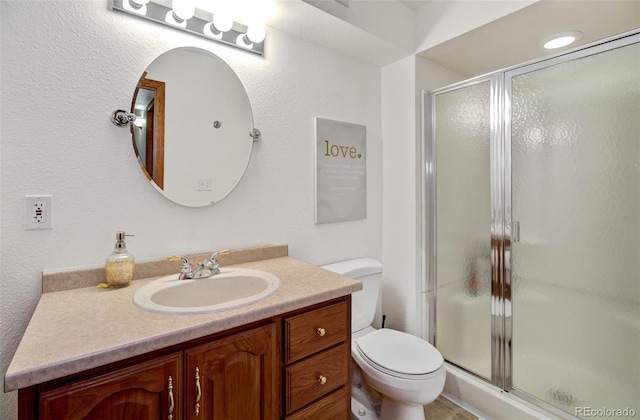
column 561, row 40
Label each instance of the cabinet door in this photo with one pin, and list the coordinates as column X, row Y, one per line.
column 148, row 390
column 234, row 377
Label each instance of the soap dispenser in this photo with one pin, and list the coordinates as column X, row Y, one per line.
column 118, row 270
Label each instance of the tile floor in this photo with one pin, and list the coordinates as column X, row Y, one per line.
column 443, row 409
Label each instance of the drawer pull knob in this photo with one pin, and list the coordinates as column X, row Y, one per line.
column 322, row 380
column 321, row 332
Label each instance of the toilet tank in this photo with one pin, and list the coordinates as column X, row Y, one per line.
column 365, row 301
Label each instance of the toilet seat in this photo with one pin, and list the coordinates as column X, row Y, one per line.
column 399, row 354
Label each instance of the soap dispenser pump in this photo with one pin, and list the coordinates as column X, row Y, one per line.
column 120, row 265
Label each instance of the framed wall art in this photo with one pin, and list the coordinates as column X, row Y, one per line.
column 341, row 171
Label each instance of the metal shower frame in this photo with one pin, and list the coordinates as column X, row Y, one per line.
column 504, row 230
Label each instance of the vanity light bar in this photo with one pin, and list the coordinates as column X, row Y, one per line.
column 195, row 25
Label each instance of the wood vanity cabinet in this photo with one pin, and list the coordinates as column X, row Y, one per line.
column 233, row 377
column 148, row 390
column 295, row 366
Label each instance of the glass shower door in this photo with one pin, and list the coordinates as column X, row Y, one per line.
column 461, row 147
column 575, row 267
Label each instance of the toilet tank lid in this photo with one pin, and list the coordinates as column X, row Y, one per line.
column 358, row 267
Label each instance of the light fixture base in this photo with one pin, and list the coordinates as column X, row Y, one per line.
column 195, row 25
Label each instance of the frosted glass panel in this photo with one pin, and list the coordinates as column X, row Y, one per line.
column 463, row 240
column 576, row 270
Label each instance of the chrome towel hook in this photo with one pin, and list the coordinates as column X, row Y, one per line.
column 122, row 118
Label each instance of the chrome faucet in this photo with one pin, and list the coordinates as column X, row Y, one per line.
column 207, row 268
column 186, row 271
column 210, row 266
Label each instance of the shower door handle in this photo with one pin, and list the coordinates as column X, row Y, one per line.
column 516, row 231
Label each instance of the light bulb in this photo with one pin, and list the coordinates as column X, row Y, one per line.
column 183, row 9
column 222, row 23
column 256, row 33
column 561, row 40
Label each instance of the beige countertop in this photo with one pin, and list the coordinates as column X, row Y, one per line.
column 79, row 329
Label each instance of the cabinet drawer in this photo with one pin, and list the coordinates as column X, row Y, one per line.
column 316, row 330
column 310, row 379
column 336, row 405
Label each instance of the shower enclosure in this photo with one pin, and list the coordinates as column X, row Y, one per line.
column 533, row 215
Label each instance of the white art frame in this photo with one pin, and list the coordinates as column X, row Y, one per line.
column 341, row 171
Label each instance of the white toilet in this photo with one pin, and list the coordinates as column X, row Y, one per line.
column 407, row 370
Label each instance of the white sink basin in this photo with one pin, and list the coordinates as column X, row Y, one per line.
column 232, row 288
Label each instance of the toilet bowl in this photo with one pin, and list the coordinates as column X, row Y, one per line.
column 406, row 370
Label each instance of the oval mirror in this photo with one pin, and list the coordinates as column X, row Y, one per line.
column 192, row 129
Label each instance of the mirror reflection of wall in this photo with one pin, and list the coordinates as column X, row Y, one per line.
column 193, row 142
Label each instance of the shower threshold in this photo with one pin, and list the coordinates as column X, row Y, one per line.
column 487, row 401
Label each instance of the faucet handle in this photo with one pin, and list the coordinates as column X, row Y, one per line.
column 213, row 260
column 186, row 271
column 210, row 266
column 218, row 253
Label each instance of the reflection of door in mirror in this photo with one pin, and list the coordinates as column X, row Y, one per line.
column 148, row 132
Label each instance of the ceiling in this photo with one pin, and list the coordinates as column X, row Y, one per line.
column 515, row 38
column 414, row 4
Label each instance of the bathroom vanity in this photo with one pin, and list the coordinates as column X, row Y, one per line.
column 90, row 353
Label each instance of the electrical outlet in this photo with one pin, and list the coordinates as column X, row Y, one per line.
column 38, row 212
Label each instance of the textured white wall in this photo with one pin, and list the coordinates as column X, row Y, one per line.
column 402, row 251
column 65, row 66
column 399, row 207
column 404, row 255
